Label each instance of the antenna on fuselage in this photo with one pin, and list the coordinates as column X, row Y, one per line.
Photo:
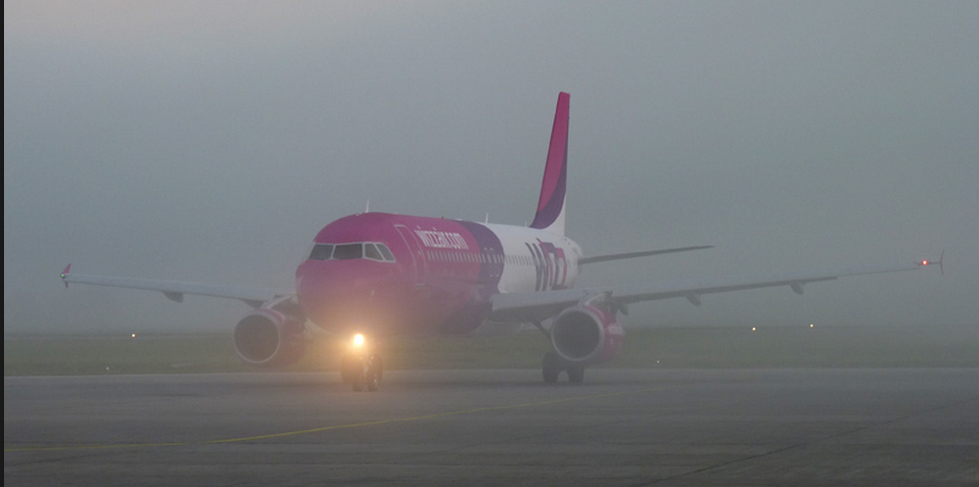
column 487, row 218
column 368, row 208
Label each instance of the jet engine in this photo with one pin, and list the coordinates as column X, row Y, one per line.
column 586, row 335
column 272, row 335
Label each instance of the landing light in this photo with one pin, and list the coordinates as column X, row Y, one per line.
column 754, row 328
column 358, row 340
column 811, row 325
column 134, row 335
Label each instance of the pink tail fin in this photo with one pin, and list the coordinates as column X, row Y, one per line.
column 550, row 207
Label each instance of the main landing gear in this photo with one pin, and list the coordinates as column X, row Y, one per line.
column 361, row 367
column 554, row 365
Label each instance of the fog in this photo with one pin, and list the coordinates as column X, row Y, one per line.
column 211, row 141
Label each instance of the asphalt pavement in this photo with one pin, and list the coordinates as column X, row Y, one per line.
column 498, row 427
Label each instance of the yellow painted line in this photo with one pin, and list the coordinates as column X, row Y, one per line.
column 329, row 428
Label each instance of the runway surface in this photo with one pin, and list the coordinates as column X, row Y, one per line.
column 498, row 427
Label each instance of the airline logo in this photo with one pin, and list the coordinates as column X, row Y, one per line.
column 551, row 265
column 442, row 240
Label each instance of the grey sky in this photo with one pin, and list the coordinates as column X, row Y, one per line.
column 210, row 141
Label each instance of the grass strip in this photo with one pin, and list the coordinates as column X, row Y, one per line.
column 717, row 347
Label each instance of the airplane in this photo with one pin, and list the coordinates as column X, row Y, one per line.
column 375, row 275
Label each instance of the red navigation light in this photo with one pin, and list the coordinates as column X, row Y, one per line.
column 924, row 262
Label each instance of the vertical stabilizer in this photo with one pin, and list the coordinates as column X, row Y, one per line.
column 550, row 207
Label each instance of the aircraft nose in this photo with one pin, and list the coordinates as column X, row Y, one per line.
column 325, row 281
column 335, row 291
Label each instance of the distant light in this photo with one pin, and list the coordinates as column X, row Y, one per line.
column 924, row 262
column 754, row 329
column 811, row 325
column 134, row 335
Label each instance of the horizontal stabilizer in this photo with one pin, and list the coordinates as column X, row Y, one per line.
column 645, row 253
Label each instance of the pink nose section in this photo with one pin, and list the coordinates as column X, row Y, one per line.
column 327, row 288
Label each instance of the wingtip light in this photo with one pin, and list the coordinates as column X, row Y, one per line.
column 940, row 262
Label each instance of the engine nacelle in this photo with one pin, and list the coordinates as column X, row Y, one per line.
column 269, row 337
column 586, row 335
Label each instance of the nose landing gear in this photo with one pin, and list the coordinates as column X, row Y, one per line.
column 361, row 367
column 362, row 372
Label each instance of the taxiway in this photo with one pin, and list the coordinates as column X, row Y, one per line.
column 498, row 427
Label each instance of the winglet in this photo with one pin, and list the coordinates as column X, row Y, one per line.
column 550, row 207
column 64, row 274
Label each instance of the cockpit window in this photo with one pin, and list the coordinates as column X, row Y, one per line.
column 348, row 251
column 321, row 252
column 388, row 256
column 370, row 251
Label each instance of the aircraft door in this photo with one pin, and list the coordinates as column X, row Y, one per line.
column 417, row 253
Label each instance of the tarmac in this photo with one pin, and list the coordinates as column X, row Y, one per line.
column 661, row 427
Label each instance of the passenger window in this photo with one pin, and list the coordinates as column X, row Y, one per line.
column 388, row 256
column 348, row 251
column 321, row 252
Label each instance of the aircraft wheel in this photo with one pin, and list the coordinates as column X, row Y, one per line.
column 375, row 370
column 348, row 369
column 551, row 367
column 353, row 372
column 576, row 373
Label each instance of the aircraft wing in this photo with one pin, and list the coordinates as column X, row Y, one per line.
column 535, row 307
column 632, row 255
column 175, row 290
